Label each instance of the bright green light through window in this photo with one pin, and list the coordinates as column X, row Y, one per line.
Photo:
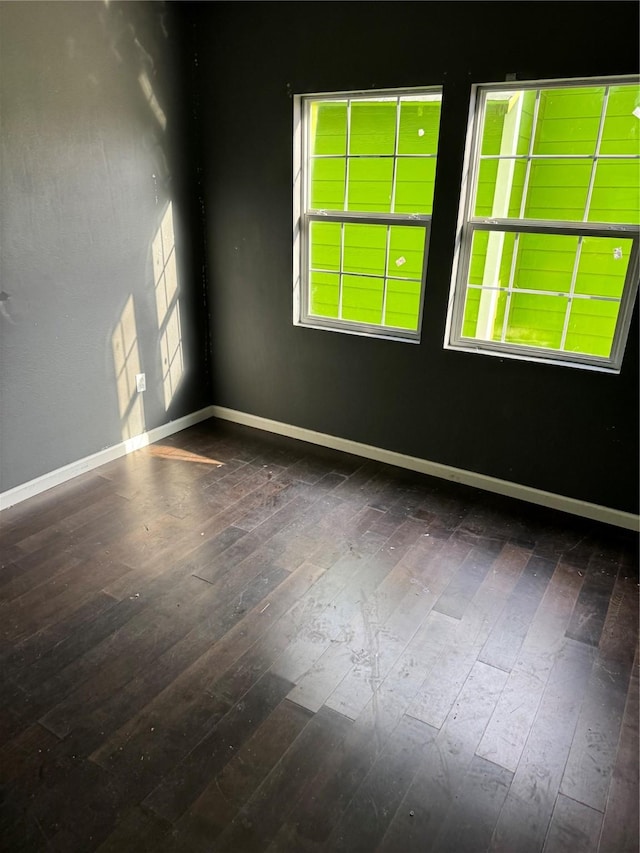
column 564, row 155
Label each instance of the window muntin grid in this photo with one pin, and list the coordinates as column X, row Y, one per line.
column 548, row 279
column 378, row 152
column 509, row 155
column 384, row 262
column 577, row 159
column 371, row 171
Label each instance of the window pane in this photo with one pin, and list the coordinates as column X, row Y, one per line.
column 545, row 262
column 324, row 294
column 512, row 203
column 558, row 189
column 362, row 299
column 527, row 107
column 499, row 188
column 495, row 110
column 592, row 325
column 621, row 134
column 603, row 266
column 328, row 127
column 375, row 156
column 484, row 312
column 471, row 309
column 406, row 252
column 508, row 122
column 491, row 258
column 325, row 245
column 568, row 120
column 373, row 127
column 479, row 245
column 365, row 248
column 415, row 180
column 490, row 267
column 555, row 291
column 486, row 187
column 419, row 126
column 536, row 321
column 370, row 184
column 403, row 304
column 327, row 184
column 616, row 192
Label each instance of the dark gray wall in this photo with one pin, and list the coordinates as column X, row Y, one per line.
column 569, row 431
column 80, row 206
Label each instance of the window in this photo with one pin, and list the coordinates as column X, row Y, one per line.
column 365, row 177
column 547, row 261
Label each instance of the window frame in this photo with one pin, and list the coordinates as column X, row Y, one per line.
column 304, row 215
column 468, row 224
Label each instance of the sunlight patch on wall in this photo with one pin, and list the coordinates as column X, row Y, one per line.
column 126, row 360
column 168, row 306
column 156, row 109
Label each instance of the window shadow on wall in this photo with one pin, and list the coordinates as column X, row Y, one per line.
column 148, row 334
column 165, row 275
column 126, row 362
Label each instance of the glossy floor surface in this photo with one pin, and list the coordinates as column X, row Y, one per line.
column 232, row 642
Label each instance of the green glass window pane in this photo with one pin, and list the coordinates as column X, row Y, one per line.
column 545, row 262
column 470, row 317
column 536, row 321
column 484, row 314
column 419, row 126
column 543, row 271
column 500, row 315
column 496, row 108
column 324, row 294
column 508, row 122
column 415, row 179
column 505, row 251
column 592, row 326
column 573, row 102
column 327, row 184
column 362, row 299
column 490, row 266
column 602, row 269
column 517, row 178
column 485, row 187
column 621, row 132
column 325, row 245
column 479, row 247
column 491, row 258
column 373, row 127
column 370, row 184
column 403, row 304
column 525, row 129
column 364, row 249
column 616, row 192
column 558, row 189
column 499, row 189
column 406, row 252
column 328, row 127
column 568, row 120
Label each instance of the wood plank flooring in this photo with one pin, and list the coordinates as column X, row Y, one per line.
column 229, row 641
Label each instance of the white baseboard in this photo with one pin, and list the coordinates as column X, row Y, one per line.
column 67, row 472
column 435, row 469
column 412, row 463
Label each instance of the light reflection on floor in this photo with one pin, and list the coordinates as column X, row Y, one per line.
column 163, row 451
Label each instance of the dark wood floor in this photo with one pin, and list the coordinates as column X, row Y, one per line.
column 232, row 642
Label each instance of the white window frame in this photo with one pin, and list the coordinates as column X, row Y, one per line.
column 303, row 215
column 468, row 224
